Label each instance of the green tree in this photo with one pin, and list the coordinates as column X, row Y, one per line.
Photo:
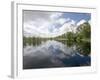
column 84, row 32
column 70, row 36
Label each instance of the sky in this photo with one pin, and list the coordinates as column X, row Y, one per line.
column 51, row 24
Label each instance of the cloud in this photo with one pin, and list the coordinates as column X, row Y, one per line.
column 89, row 22
column 48, row 24
column 55, row 16
column 43, row 24
column 81, row 22
column 61, row 20
column 47, row 29
column 68, row 26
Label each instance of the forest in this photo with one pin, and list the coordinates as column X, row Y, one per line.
column 81, row 38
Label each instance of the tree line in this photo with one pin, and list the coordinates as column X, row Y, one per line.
column 82, row 34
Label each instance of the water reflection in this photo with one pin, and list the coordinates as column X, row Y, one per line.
column 51, row 53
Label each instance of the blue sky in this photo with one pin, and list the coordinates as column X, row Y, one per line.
column 77, row 16
column 45, row 23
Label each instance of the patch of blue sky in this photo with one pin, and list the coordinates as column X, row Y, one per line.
column 77, row 16
column 72, row 16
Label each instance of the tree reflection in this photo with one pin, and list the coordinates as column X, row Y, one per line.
column 80, row 39
column 84, row 48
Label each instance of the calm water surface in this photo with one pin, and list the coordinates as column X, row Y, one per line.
column 51, row 53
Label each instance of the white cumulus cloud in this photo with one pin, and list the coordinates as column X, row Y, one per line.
column 46, row 24
column 81, row 22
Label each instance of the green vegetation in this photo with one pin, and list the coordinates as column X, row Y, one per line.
column 84, row 48
column 83, row 32
column 81, row 38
